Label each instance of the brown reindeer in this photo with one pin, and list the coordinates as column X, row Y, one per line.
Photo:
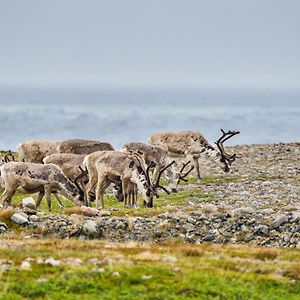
column 35, row 151
column 37, row 178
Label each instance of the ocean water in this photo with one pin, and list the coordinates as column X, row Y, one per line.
column 120, row 116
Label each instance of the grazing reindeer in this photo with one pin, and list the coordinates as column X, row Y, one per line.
column 69, row 163
column 158, row 157
column 89, row 166
column 192, row 145
column 114, row 166
column 35, row 151
column 33, row 178
column 86, row 147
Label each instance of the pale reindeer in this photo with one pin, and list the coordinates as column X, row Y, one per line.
column 191, row 145
column 37, row 178
column 35, row 151
column 107, row 167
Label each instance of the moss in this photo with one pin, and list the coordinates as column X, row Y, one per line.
column 201, row 272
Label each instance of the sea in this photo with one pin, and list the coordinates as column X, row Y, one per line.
column 121, row 115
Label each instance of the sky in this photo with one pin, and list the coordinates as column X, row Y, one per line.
column 150, row 43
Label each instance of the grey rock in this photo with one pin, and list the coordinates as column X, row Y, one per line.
column 281, row 219
column 29, row 211
column 52, row 262
column 242, row 211
column 169, row 259
column 25, row 266
column 295, row 216
column 19, row 219
column 89, row 228
column 262, row 230
column 208, row 237
column 28, row 202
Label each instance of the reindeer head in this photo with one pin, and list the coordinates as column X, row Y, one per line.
column 79, row 182
column 226, row 159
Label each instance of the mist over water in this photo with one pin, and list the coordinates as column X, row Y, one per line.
column 120, row 116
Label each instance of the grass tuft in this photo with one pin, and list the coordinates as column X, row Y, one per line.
column 6, row 214
column 266, row 254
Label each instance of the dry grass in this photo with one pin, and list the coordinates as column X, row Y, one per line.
column 188, row 250
column 266, row 254
column 6, row 214
column 72, row 210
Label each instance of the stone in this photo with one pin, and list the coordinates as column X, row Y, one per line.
column 262, row 230
column 242, row 211
column 73, row 262
column 147, row 255
column 94, row 261
column 90, row 211
column 89, row 228
column 28, row 202
column 281, row 219
column 52, row 262
column 5, row 266
column 169, row 259
column 210, row 208
column 208, row 237
column 29, row 211
column 19, row 219
column 295, row 216
column 25, row 266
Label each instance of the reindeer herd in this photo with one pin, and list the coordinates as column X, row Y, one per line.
column 82, row 170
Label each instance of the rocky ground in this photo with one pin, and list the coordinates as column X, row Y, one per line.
column 257, row 203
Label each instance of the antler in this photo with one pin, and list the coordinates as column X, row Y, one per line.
column 157, row 185
column 225, row 157
column 80, row 176
column 182, row 176
column 8, row 157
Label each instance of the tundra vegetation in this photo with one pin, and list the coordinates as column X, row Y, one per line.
column 265, row 181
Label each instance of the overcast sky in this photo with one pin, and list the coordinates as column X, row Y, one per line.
column 145, row 43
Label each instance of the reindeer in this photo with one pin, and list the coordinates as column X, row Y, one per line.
column 86, row 147
column 34, row 151
column 69, row 163
column 91, row 171
column 192, row 145
column 158, row 157
column 129, row 168
column 37, row 178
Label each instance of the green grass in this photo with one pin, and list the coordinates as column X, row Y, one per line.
column 200, row 272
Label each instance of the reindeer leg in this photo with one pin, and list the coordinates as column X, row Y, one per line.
column 89, row 187
column 130, row 194
column 196, row 164
column 39, row 199
column 101, row 186
column 48, row 197
column 135, row 193
column 125, row 187
column 7, row 195
column 58, row 201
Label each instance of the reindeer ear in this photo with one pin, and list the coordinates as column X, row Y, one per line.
column 131, row 164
